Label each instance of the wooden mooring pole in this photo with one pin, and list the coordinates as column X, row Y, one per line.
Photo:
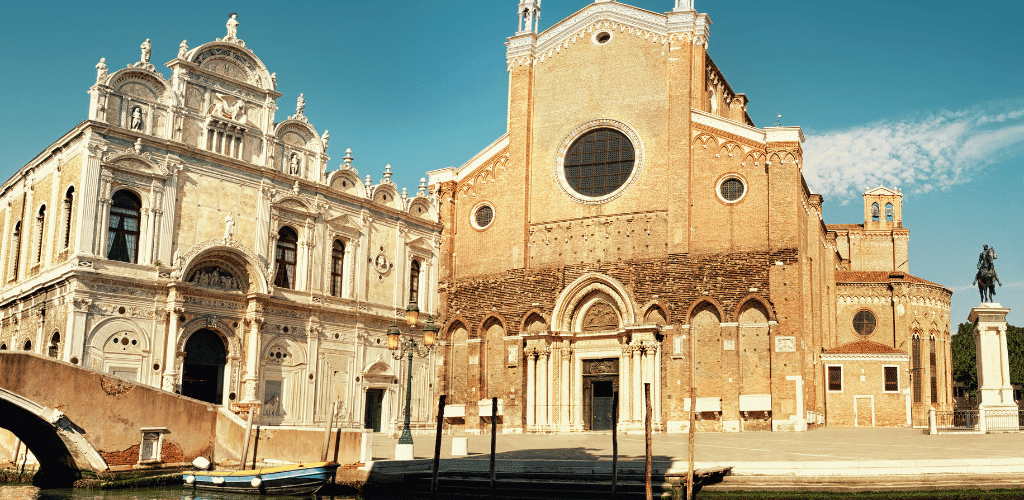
column 245, row 441
column 647, row 441
column 494, row 439
column 437, row 445
column 327, row 432
column 615, row 443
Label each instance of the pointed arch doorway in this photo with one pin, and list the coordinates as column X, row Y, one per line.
column 203, row 368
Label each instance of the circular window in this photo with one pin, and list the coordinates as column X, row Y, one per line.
column 864, row 323
column 602, row 37
column 483, row 216
column 599, row 162
column 731, row 189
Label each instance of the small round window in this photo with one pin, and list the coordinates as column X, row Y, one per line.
column 864, row 323
column 602, row 37
column 731, row 189
column 483, row 216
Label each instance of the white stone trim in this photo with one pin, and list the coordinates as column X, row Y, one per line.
column 727, row 125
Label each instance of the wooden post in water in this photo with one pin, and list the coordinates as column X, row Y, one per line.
column 245, row 441
column 615, row 443
column 494, row 439
column 691, row 433
column 647, row 434
column 437, row 444
column 327, row 432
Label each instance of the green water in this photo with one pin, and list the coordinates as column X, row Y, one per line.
column 20, row 492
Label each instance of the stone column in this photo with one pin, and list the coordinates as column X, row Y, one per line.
column 625, row 382
column 577, row 398
column 170, row 379
column 85, row 225
column 252, row 353
column 102, row 227
column 638, row 383
column 563, row 397
column 994, row 388
column 531, row 387
column 542, row 386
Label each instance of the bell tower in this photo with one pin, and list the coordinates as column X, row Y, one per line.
column 529, row 16
column 883, row 208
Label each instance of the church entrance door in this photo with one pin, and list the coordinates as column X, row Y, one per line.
column 600, row 384
column 202, row 375
column 374, row 404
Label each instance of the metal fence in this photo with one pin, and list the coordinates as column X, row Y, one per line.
column 957, row 421
column 1004, row 420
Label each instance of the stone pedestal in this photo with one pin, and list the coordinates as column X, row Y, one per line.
column 994, row 390
column 403, row 452
column 460, row 447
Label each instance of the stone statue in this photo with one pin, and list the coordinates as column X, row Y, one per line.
column 146, row 50
column 136, row 123
column 182, row 49
column 101, row 70
column 293, row 167
column 176, row 261
column 325, row 138
column 300, row 105
column 987, row 277
column 273, row 79
column 232, row 27
column 229, row 228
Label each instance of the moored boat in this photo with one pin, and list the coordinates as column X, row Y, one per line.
column 295, row 479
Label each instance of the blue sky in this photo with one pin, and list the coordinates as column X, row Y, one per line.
column 927, row 96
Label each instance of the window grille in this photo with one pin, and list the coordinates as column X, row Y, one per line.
column 892, row 379
column 835, row 378
column 484, row 215
column 933, row 368
column 599, row 162
column 915, row 372
column 864, row 323
column 732, row 189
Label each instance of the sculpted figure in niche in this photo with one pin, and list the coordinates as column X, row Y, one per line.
column 101, row 70
column 293, row 167
column 146, row 50
column 182, row 49
column 136, row 123
column 232, row 27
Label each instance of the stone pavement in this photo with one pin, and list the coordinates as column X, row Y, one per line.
column 816, row 457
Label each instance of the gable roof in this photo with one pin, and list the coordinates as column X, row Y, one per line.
column 864, row 346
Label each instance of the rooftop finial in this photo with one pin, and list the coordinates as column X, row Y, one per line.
column 387, row 172
column 778, row 120
column 348, row 157
column 529, row 16
column 683, row 5
column 423, row 186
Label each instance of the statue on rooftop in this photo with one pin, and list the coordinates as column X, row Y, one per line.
column 182, row 49
column 326, row 137
column 232, row 27
column 101, row 70
column 300, row 105
column 987, row 277
column 146, row 50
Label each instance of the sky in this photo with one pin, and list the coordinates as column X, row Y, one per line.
column 925, row 96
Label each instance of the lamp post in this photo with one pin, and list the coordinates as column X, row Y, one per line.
column 408, row 347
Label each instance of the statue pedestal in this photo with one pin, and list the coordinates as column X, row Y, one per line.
column 994, row 390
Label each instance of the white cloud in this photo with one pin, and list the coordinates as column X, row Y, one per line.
column 935, row 151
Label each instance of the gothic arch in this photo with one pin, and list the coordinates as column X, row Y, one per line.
column 649, row 307
column 582, row 288
column 490, row 318
column 452, row 325
column 525, row 323
column 697, row 304
column 746, row 302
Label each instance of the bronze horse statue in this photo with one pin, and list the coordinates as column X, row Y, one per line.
column 987, row 277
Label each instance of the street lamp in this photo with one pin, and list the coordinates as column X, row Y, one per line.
column 400, row 348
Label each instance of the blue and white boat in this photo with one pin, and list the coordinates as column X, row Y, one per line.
column 296, row 479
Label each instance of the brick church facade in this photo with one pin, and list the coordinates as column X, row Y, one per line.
column 632, row 204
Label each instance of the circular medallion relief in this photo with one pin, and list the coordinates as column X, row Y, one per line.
column 598, row 160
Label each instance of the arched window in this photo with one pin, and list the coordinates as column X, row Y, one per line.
column 874, row 211
column 933, row 369
column 15, row 250
column 888, row 212
column 28, row 345
column 915, row 367
column 3, row 347
column 337, row 266
column 54, row 347
column 40, row 229
column 123, row 230
column 414, row 282
column 69, row 199
column 287, row 244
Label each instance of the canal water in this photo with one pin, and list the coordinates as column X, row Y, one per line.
column 20, row 492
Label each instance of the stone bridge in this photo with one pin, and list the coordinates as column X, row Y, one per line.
column 77, row 420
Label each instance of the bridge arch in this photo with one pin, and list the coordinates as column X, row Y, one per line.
column 59, row 445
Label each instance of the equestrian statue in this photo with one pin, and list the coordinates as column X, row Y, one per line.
column 987, row 277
